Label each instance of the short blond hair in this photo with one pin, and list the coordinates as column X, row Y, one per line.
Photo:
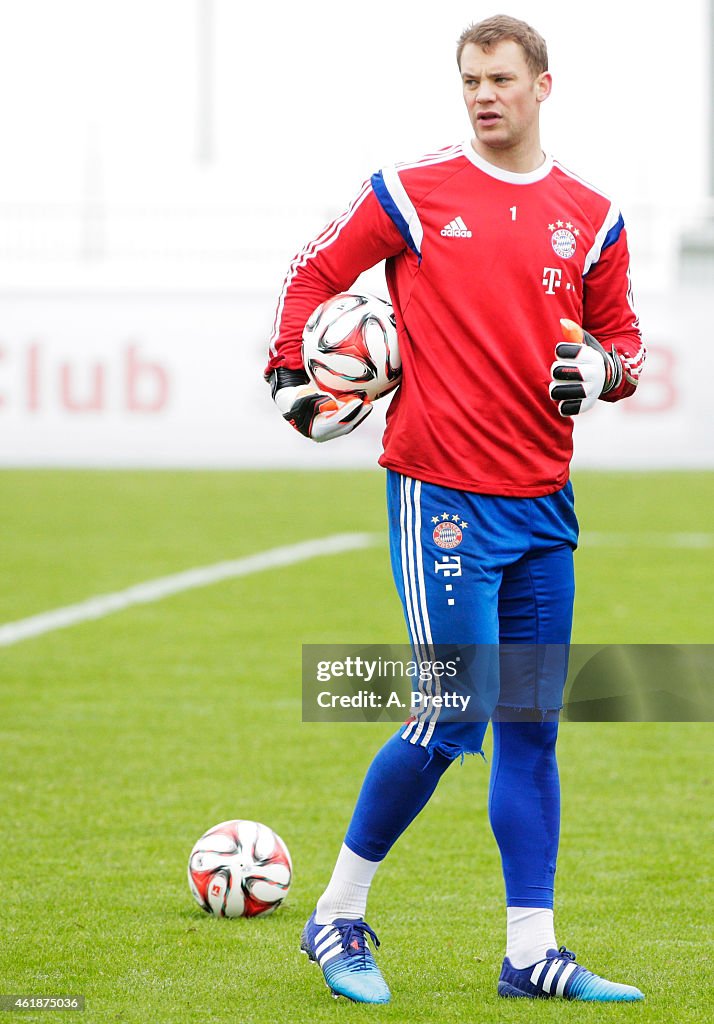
column 491, row 31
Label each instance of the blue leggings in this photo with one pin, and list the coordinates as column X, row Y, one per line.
column 524, row 804
column 481, row 571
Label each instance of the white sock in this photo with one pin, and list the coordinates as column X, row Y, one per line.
column 348, row 889
column 529, row 935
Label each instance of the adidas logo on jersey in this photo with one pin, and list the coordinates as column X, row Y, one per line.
column 456, row 229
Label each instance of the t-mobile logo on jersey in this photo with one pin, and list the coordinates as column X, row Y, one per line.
column 551, row 279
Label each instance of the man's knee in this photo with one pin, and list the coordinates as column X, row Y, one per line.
column 448, row 740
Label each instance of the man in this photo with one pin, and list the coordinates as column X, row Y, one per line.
column 493, row 251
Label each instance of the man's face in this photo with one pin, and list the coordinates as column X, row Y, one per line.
column 502, row 96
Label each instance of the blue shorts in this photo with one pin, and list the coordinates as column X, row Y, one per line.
column 477, row 571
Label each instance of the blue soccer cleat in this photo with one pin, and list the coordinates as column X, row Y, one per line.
column 342, row 952
column 558, row 976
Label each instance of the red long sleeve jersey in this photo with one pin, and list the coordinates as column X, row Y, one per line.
column 481, row 264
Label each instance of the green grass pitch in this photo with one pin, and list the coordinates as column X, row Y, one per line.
column 123, row 739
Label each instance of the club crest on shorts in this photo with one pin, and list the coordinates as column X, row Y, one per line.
column 563, row 238
column 448, row 530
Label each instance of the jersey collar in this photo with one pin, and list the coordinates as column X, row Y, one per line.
column 513, row 177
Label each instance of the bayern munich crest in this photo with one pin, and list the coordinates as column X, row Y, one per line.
column 448, row 530
column 563, row 238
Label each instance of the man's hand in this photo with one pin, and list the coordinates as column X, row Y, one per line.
column 315, row 413
column 583, row 370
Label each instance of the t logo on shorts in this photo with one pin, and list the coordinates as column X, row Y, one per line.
column 450, row 565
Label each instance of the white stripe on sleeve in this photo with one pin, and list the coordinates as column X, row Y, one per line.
column 613, row 215
column 404, row 204
column 323, row 240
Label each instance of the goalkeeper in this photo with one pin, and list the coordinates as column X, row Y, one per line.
column 509, row 328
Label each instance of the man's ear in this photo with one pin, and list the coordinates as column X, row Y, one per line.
column 544, row 85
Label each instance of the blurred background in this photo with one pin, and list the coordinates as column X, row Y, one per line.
column 163, row 160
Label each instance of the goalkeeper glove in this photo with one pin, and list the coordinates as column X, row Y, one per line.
column 314, row 413
column 583, row 370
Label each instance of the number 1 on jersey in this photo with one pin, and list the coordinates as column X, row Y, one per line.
column 513, row 212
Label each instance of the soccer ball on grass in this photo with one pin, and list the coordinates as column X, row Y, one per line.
column 239, row 868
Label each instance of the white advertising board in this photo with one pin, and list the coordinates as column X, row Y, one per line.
column 175, row 379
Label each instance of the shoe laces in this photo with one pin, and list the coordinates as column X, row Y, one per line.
column 354, row 938
column 566, row 954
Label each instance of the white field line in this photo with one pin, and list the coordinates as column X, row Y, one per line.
column 649, row 540
column 165, row 586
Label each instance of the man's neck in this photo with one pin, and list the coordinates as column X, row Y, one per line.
column 519, row 160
